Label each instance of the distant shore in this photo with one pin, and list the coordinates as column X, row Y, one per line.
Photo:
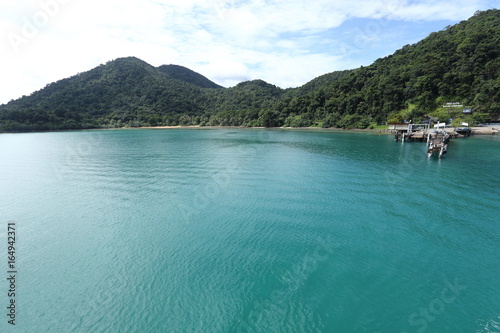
column 245, row 127
column 486, row 130
column 315, row 129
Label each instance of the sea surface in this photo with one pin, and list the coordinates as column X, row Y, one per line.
column 232, row 230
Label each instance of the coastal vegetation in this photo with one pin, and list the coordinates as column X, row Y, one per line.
column 460, row 64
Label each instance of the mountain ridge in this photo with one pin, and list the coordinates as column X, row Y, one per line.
column 187, row 75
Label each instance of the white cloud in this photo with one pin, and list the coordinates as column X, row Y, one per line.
column 226, row 72
column 285, row 42
column 430, row 10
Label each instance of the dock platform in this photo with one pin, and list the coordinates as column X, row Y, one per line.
column 436, row 139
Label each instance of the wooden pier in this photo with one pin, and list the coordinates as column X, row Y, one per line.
column 437, row 140
column 410, row 132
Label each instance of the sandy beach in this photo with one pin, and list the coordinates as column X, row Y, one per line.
column 486, row 130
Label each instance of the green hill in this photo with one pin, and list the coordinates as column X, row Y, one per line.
column 187, row 75
column 123, row 92
column 458, row 64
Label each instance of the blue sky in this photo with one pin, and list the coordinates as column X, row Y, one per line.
column 284, row 42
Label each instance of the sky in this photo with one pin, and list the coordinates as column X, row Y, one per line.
column 284, row 42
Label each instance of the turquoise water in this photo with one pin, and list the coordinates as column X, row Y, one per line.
column 249, row 231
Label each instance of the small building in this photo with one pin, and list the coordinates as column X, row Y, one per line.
column 430, row 120
column 440, row 126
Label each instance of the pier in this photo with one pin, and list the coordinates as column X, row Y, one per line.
column 437, row 139
column 410, row 132
column 437, row 143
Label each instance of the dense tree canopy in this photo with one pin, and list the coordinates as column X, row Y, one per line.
column 458, row 64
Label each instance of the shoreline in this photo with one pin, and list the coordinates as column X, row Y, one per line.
column 487, row 130
column 327, row 129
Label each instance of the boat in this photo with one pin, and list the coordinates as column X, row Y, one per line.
column 464, row 130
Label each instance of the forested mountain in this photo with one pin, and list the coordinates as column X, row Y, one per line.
column 187, row 75
column 458, row 64
column 124, row 92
